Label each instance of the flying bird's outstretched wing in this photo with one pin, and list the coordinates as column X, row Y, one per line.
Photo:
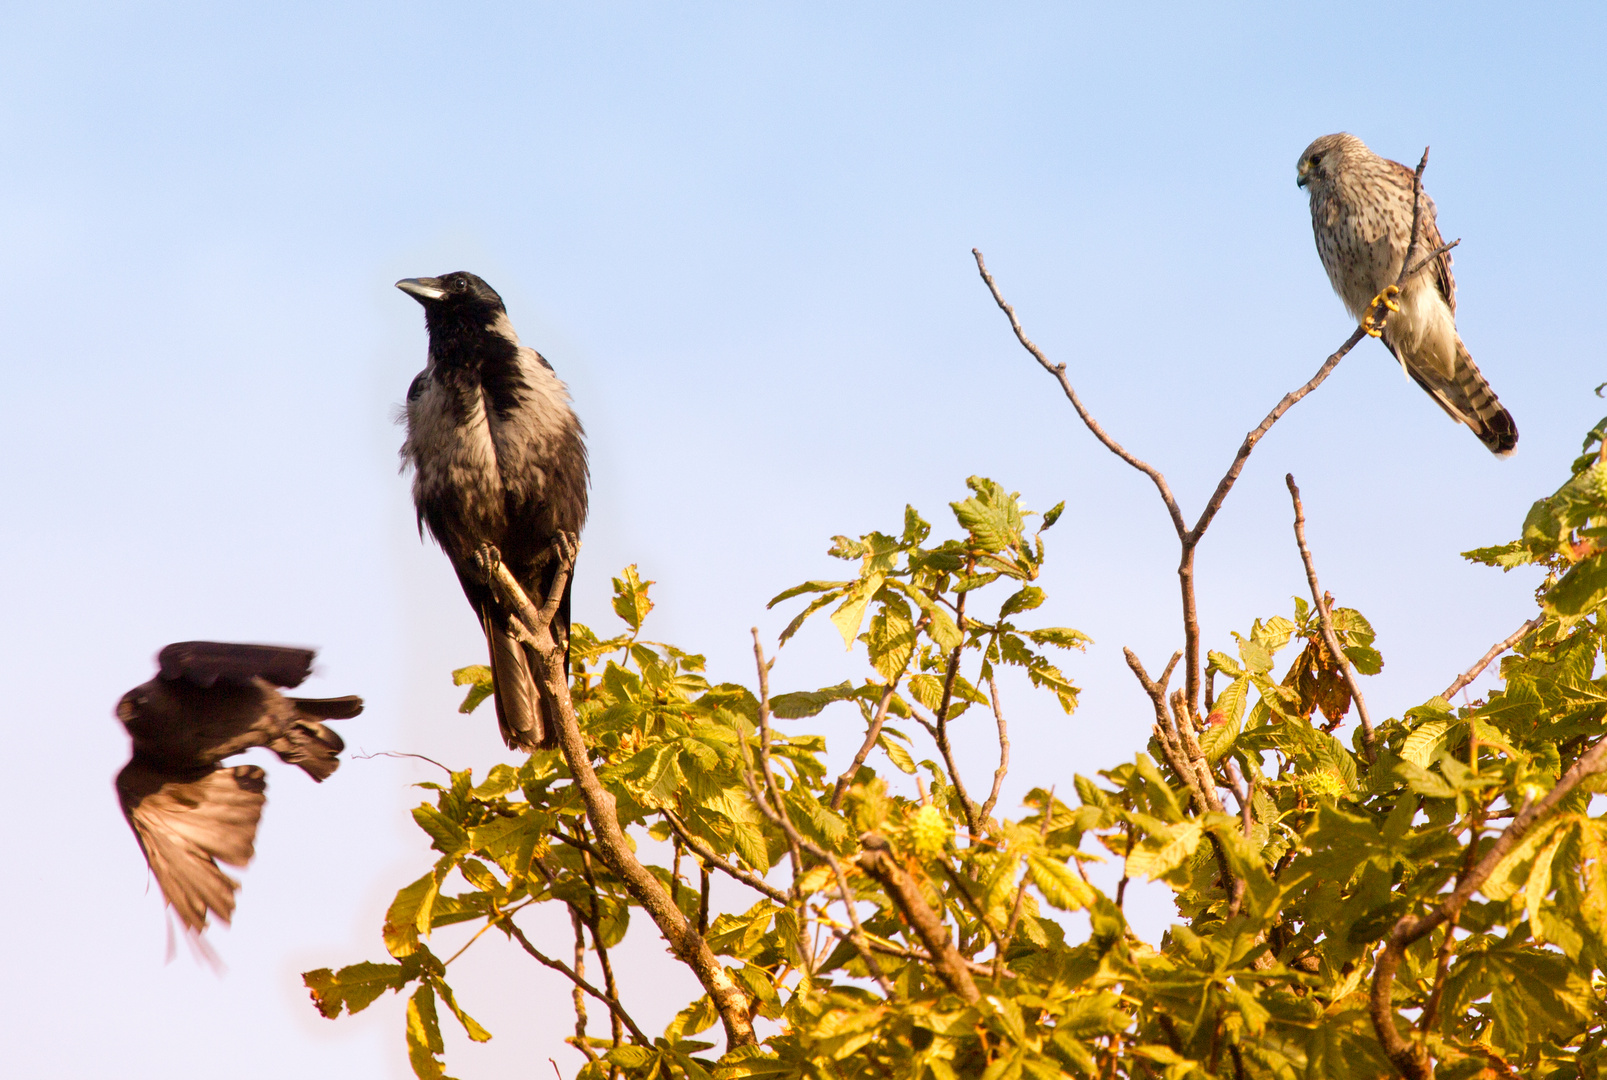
column 187, row 824
column 205, row 662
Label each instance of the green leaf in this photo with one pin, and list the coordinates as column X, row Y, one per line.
column 897, row 754
column 801, row 703
column 1063, row 636
column 401, row 928
column 477, row 677
column 353, row 988
column 1027, row 598
column 1053, row 515
column 424, row 1035
column 851, row 612
column 1059, row 883
column 471, row 1027
column 806, row 587
column 631, row 602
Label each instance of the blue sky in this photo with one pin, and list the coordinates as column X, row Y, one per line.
column 742, row 234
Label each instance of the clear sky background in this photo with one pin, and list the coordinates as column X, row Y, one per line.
column 742, row 234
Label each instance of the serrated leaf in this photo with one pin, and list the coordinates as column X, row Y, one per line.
column 471, row 1027
column 477, row 677
column 1024, row 599
column 1059, row 883
column 424, row 1035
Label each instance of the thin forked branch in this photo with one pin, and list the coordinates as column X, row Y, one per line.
column 1188, row 538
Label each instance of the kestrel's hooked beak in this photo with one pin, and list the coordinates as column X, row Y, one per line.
column 1303, row 174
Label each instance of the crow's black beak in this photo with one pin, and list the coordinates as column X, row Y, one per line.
column 422, row 289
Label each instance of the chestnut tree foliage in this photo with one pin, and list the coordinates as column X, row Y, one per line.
column 897, row 921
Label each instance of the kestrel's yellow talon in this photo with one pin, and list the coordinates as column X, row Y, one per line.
column 1385, row 299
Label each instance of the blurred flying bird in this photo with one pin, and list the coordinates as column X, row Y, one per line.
column 209, row 701
column 1361, row 214
column 498, row 458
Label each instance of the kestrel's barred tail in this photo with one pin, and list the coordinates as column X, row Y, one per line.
column 1468, row 399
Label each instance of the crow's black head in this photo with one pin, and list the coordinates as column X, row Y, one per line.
column 459, row 295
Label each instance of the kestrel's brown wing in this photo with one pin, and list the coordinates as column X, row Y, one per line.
column 185, row 823
column 205, row 662
column 1429, row 239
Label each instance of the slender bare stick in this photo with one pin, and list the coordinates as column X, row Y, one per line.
column 777, row 815
column 706, row 853
column 1331, row 639
column 558, row 965
column 940, row 726
column 1412, row 1059
column 1059, row 372
column 1488, row 658
column 688, row 946
column 872, row 733
column 579, row 992
column 1004, row 750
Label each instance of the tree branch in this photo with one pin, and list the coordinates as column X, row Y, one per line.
column 1004, row 750
column 1488, row 658
column 1411, row 1059
column 558, row 965
column 840, row 791
column 706, row 853
column 612, row 846
column 1188, row 538
column 1059, row 372
column 1331, row 639
column 877, row 861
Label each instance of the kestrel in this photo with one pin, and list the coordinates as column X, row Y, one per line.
column 1361, row 214
column 210, row 701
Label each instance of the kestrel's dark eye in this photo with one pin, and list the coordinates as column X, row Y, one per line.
column 1314, row 159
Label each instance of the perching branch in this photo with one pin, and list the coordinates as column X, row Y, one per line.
column 688, row 946
column 1488, row 658
column 1004, row 750
column 1331, row 639
column 1411, row 1059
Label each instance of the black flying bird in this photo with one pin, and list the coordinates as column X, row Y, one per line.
column 210, row 701
column 498, row 458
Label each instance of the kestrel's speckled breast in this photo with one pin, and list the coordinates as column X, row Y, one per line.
column 1361, row 227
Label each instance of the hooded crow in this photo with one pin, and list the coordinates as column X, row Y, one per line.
column 498, row 458
column 210, row 701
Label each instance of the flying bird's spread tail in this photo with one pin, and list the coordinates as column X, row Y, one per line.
column 1362, row 217
column 210, row 701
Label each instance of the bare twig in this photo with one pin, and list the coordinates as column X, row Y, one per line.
column 1059, row 372
column 400, row 754
column 840, row 791
column 1004, row 750
column 1411, row 1059
column 581, row 1040
column 706, row 853
column 1165, row 732
column 877, row 861
column 940, row 725
column 1331, row 639
column 1488, row 658
column 614, row 1006
column 688, row 946
column 1430, row 257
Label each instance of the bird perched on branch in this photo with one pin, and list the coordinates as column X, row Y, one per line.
column 498, row 458
column 1361, row 213
column 210, row 701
